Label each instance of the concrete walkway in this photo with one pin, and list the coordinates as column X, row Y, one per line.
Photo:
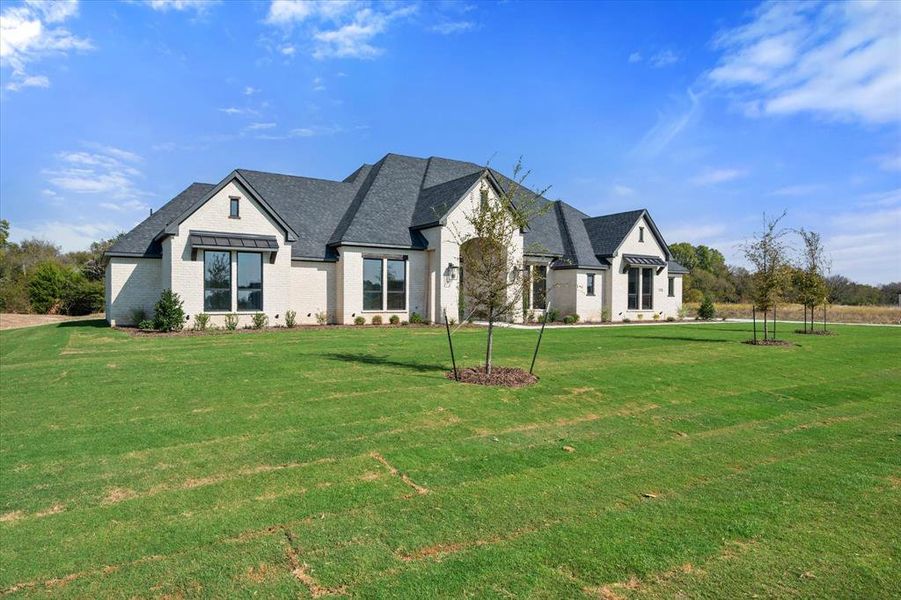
column 653, row 323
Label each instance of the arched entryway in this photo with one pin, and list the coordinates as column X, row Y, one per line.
column 483, row 269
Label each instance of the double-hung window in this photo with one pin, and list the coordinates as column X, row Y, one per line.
column 590, row 286
column 250, row 281
column 217, row 281
column 539, row 287
column 376, row 294
column 234, row 208
column 671, row 287
column 633, row 288
column 647, row 289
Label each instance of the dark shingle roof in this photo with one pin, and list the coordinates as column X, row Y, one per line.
column 675, row 268
column 312, row 207
column 385, row 204
column 607, row 233
column 140, row 240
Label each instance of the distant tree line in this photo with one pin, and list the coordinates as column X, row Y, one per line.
column 36, row 276
column 710, row 276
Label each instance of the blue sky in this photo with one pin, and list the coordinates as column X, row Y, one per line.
column 706, row 113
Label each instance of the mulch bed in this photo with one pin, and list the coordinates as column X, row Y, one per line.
column 500, row 376
column 814, row 332
column 769, row 343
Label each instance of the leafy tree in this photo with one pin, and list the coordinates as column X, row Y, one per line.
column 767, row 252
column 47, row 287
column 706, row 310
column 495, row 281
column 809, row 281
column 168, row 313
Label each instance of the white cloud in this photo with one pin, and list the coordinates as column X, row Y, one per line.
column 889, row 162
column 108, row 171
column 668, row 127
column 250, row 91
column 836, row 60
column 715, row 176
column 260, row 126
column 452, row 27
column 623, row 190
column 198, row 6
column 635, row 57
column 69, row 236
column 695, row 233
column 233, row 110
column 318, row 85
column 336, row 29
column 799, row 190
column 27, row 36
column 886, row 198
column 664, row 58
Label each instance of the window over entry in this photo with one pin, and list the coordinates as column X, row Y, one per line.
column 646, row 291
column 378, row 296
column 218, row 280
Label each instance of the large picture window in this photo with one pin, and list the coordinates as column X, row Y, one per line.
column 397, row 284
column 647, row 289
column 250, row 281
column 539, row 287
column 372, row 284
column 633, row 289
column 217, row 281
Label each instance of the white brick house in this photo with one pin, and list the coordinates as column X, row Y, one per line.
column 381, row 242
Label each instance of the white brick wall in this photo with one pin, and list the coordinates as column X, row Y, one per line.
column 619, row 281
column 313, row 290
column 350, row 266
column 187, row 275
column 131, row 284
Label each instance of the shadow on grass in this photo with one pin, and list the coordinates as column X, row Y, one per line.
column 93, row 323
column 370, row 359
column 677, row 338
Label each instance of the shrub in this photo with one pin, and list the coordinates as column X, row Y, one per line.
column 394, row 319
column 146, row 324
column 605, row 315
column 46, row 287
column 575, row 317
column 682, row 312
column 640, row 316
column 670, row 319
column 169, row 314
column 627, row 320
column 322, row 318
column 138, row 315
column 14, row 295
column 82, row 296
column 376, row 319
column 552, row 315
column 568, row 320
column 416, row 319
column 201, row 321
column 290, row 319
column 706, row 310
column 259, row 320
column 359, row 321
column 231, row 321
column 656, row 316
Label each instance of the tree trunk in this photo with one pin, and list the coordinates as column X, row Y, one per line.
column 490, row 346
column 774, row 322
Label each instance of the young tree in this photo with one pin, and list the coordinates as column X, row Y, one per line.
column 767, row 253
column 810, row 281
column 495, row 278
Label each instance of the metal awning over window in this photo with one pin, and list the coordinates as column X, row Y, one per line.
column 640, row 260
column 232, row 241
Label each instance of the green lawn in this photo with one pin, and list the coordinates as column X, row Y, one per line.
column 334, row 460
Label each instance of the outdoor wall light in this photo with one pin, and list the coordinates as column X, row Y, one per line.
column 451, row 271
column 276, row 316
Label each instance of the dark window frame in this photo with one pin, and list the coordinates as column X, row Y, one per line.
column 671, row 287
column 641, row 234
column 633, row 283
column 234, row 207
column 590, row 284
column 384, row 293
column 240, row 289
column 402, row 293
column 539, row 287
column 206, row 304
column 381, row 285
column 647, row 295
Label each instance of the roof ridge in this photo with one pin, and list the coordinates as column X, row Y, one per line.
column 354, row 205
column 625, row 212
column 294, row 176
